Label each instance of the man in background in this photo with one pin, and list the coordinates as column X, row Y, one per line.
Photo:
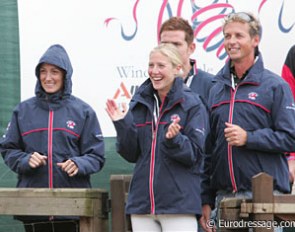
column 179, row 32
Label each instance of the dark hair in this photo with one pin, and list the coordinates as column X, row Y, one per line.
column 178, row 24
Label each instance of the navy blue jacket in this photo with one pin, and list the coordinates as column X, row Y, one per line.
column 166, row 178
column 59, row 126
column 201, row 82
column 262, row 104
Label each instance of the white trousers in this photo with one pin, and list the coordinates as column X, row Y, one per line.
column 164, row 223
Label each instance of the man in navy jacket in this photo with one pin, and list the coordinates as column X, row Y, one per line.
column 178, row 31
column 252, row 120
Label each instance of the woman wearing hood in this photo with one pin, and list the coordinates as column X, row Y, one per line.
column 54, row 139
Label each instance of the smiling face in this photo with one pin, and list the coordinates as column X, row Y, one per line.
column 162, row 72
column 51, row 78
column 239, row 44
column 177, row 38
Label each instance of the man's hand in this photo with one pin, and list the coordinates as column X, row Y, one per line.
column 291, row 164
column 235, row 135
column 205, row 221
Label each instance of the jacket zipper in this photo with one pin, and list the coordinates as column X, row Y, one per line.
column 49, row 149
column 152, row 166
column 153, row 153
column 229, row 147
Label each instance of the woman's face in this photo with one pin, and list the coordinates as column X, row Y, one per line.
column 51, row 78
column 162, row 73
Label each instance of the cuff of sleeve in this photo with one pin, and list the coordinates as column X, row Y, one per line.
column 291, row 156
column 24, row 164
column 208, row 199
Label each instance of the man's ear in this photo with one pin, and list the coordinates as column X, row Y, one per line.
column 256, row 40
column 192, row 48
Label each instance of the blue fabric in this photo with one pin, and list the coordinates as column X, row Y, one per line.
column 176, row 181
column 202, row 83
column 76, row 133
column 264, row 107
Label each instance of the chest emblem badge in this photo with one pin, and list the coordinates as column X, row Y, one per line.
column 252, row 95
column 174, row 117
column 71, row 124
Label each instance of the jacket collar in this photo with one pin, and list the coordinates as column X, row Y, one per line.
column 145, row 93
column 224, row 75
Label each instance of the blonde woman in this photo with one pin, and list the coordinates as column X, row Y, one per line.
column 163, row 132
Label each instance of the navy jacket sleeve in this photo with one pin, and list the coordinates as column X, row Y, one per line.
column 91, row 147
column 281, row 137
column 208, row 194
column 11, row 148
column 127, row 138
column 188, row 146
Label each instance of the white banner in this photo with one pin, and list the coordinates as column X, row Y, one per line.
column 109, row 41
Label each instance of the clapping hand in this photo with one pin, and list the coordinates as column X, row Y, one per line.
column 173, row 129
column 114, row 111
column 37, row 160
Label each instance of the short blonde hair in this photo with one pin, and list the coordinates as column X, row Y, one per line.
column 245, row 17
column 170, row 51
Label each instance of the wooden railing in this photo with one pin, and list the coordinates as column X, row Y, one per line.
column 264, row 207
column 264, row 210
column 89, row 204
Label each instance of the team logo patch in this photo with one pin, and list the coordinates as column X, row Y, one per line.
column 252, row 95
column 7, row 128
column 174, row 117
column 71, row 124
column 291, row 107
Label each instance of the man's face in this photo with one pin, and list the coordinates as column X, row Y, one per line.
column 177, row 38
column 238, row 43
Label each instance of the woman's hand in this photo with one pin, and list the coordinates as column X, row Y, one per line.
column 36, row 160
column 114, row 111
column 69, row 167
column 173, row 129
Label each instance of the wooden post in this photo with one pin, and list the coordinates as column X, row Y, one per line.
column 119, row 188
column 262, row 187
column 99, row 221
column 230, row 212
column 88, row 204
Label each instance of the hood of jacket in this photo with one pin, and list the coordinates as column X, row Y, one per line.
column 55, row 55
